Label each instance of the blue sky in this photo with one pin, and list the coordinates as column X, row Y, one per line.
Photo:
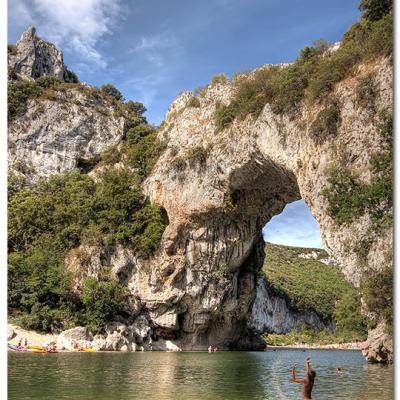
column 154, row 49
column 294, row 226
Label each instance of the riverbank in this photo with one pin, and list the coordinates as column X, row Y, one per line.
column 333, row 346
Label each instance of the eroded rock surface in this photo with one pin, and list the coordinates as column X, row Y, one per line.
column 33, row 57
column 59, row 134
column 273, row 314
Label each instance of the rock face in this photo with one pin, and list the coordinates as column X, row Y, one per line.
column 62, row 133
column 273, row 314
column 33, row 57
column 78, row 336
column 206, row 270
column 378, row 347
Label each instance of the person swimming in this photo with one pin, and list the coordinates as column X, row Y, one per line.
column 307, row 383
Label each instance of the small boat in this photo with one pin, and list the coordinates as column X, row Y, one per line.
column 15, row 347
column 86, row 350
column 35, row 347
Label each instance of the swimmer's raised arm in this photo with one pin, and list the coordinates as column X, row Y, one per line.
column 294, row 378
column 308, row 365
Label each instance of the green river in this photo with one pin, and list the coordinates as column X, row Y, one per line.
column 193, row 375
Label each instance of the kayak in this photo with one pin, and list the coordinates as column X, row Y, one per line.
column 88, row 350
column 37, row 350
column 35, row 347
column 15, row 347
column 42, row 351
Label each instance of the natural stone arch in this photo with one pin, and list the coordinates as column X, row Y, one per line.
column 217, row 204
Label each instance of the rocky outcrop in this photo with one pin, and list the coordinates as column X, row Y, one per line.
column 78, row 336
column 33, row 57
column 273, row 313
column 378, row 347
column 67, row 131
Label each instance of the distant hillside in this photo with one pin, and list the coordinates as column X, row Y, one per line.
column 306, row 277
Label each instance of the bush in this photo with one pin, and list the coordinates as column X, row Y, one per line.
column 197, row 156
column 144, row 154
column 20, row 92
column 178, row 164
column 220, row 78
column 11, row 49
column 327, row 122
column 366, row 92
column 345, row 195
column 348, row 317
column 223, row 116
column 193, row 102
column 111, row 91
column 374, row 10
column 70, row 76
column 377, row 290
column 349, row 198
column 135, row 107
column 102, row 301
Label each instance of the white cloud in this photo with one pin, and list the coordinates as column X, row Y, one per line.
column 74, row 24
column 20, row 14
column 153, row 47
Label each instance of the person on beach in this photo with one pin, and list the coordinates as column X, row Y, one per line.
column 26, row 342
column 307, row 383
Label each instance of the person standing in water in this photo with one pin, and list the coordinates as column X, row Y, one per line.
column 307, row 383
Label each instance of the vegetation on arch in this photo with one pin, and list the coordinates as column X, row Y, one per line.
column 313, row 75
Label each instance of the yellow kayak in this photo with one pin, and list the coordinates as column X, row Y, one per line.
column 88, row 350
column 35, row 348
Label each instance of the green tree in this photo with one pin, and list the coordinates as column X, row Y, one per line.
column 136, row 107
column 110, row 90
column 349, row 320
column 102, row 301
column 374, row 10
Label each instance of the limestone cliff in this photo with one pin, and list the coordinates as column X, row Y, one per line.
column 218, row 203
column 33, row 57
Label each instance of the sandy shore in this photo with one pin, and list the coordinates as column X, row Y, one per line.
column 32, row 337
column 333, row 346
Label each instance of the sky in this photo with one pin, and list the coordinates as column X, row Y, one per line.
column 153, row 49
column 294, row 226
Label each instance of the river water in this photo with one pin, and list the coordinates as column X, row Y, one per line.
column 190, row 375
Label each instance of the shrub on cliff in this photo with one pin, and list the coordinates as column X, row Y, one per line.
column 375, row 9
column 350, row 322
column 377, row 289
column 219, row 78
column 327, row 122
column 102, row 300
column 349, row 197
column 110, row 90
column 315, row 72
column 21, row 91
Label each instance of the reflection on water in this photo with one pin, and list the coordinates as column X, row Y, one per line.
column 200, row 376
